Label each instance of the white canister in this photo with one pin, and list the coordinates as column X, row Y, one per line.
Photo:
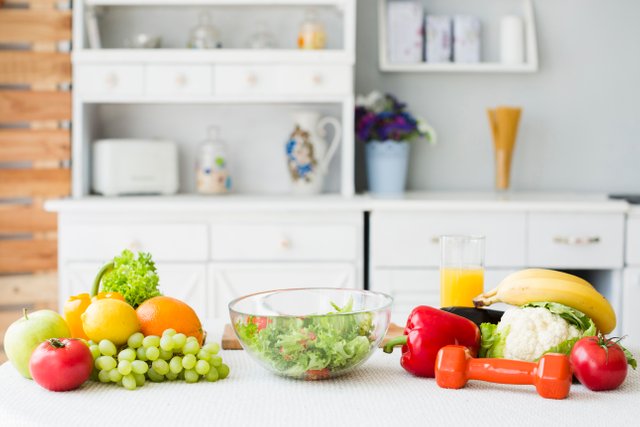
column 212, row 168
column 512, row 40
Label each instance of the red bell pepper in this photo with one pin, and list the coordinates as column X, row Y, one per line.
column 428, row 330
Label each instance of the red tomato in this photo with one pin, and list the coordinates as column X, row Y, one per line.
column 598, row 363
column 61, row 364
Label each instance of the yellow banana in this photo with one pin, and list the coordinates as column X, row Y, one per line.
column 537, row 285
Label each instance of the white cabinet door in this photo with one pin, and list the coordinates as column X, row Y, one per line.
column 229, row 281
column 411, row 287
column 186, row 282
column 630, row 314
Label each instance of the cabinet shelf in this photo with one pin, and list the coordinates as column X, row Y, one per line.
column 529, row 66
column 218, row 56
column 216, row 2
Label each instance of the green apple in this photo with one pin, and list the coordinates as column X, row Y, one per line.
column 26, row 333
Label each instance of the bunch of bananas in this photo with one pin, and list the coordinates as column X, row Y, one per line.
column 538, row 285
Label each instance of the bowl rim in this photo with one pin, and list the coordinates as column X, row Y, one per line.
column 387, row 305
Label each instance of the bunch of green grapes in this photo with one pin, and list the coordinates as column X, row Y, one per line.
column 173, row 356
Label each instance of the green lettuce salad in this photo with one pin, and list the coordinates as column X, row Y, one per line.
column 311, row 347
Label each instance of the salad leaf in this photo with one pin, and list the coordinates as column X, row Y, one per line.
column 135, row 278
column 302, row 346
column 493, row 342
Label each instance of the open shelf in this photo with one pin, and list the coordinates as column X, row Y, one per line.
column 529, row 66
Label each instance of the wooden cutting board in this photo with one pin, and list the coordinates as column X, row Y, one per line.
column 230, row 341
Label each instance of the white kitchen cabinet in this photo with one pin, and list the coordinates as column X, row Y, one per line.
column 101, row 240
column 412, row 239
column 231, row 280
column 630, row 303
column 184, row 281
column 593, row 241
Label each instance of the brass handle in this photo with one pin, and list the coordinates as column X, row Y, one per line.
column 576, row 240
column 435, row 240
column 134, row 246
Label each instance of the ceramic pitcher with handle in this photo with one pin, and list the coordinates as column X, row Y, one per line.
column 308, row 154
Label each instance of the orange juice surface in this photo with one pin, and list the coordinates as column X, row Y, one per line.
column 458, row 286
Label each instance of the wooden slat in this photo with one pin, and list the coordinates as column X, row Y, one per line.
column 17, row 145
column 30, row 26
column 24, row 106
column 18, row 290
column 33, row 3
column 35, row 182
column 18, row 256
column 26, row 219
column 34, row 68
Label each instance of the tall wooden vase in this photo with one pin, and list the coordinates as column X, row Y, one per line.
column 504, row 127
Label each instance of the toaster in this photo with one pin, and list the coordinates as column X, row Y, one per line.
column 134, row 166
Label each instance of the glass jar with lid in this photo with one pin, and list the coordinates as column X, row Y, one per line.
column 312, row 34
column 204, row 35
column 212, row 169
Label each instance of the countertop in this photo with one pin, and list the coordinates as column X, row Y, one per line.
column 378, row 393
column 412, row 201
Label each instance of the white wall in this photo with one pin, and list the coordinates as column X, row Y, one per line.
column 580, row 128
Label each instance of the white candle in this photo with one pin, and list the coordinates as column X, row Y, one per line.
column 512, row 40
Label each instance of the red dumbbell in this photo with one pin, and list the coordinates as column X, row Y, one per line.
column 551, row 375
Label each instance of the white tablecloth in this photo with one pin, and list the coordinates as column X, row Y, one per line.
column 378, row 393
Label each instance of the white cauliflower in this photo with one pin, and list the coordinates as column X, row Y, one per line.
column 532, row 331
column 528, row 332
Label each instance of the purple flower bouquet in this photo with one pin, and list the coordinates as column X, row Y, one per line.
column 383, row 118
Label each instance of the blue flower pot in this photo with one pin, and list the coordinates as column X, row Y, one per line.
column 387, row 164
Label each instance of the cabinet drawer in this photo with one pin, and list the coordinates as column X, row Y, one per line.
column 316, row 80
column 229, row 280
column 108, row 80
column 630, row 313
column 245, row 80
column 166, row 242
column 179, row 80
column 576, row 240
column 278, row 242
column 633, row 240
column 412, row 239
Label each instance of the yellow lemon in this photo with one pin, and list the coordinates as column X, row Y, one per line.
column 110, row 319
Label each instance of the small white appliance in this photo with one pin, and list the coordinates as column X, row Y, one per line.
column 134, row 166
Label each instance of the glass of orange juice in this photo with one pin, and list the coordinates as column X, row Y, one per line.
column 461, row 270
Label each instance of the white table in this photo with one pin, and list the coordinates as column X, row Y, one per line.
column 378, row 393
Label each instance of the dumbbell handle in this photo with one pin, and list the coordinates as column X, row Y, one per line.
column 502, row 371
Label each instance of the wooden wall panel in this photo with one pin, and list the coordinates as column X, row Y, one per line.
column 16, row 183
column 22, row 106
column 21, row 145
column 34, row 25
column 38, row 68
column 19, row 218
column 19, row 256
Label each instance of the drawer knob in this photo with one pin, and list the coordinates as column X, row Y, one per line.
column 111, row 80
column 285, row 243
column 252, row 79
column 435, row 240
column 317, row 79
column 576, row 240
column 181, row 80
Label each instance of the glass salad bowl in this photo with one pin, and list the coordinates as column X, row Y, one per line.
column 311, row 333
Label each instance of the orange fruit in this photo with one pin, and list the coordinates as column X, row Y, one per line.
column 159, row 313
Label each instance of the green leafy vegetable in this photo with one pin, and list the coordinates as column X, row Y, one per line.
column 493, row 342
column 135, row 278
column 304, row 346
